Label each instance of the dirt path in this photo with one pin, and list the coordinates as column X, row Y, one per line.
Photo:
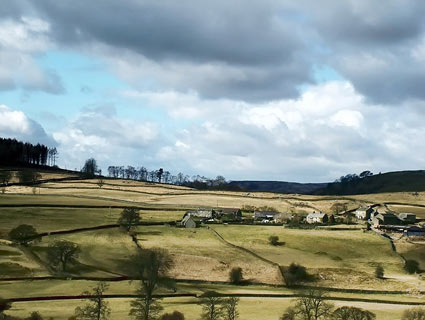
column 220, row 237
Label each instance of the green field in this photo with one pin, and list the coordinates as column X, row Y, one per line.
column 46, row 219
column 341, row 259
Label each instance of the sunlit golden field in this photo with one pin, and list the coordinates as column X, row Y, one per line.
column 342, row 259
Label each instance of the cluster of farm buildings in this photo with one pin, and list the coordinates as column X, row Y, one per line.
column 391, row 222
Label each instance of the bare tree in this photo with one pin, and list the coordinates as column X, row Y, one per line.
column 230, row 308
column 151, row 267
column 62, row 252
column 97, row 308
column 313, row 306
column 159, row 174
column 100, row 182
column 211, row 303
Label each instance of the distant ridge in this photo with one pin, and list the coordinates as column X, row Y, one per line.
column 279, row 186
column 397, row 181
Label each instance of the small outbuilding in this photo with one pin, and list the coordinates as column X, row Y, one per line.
column 189, row 222
column 415, row 231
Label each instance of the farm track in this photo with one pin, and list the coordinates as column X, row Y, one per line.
column 282, row 277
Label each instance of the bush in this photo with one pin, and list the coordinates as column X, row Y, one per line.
column 22, row 234
column 379, row 272
column 296, row 273
column 4, row 305
column 172, row 316
column 411, row 266
column 34, row 316
column 414, row 314
column 352, row 313
column 274, row 240
column 236, row 275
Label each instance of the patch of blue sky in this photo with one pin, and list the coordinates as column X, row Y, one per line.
column 88, row 84
column 321, row 74
column 324, row 73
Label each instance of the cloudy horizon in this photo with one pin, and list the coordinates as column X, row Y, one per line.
column 265, row 90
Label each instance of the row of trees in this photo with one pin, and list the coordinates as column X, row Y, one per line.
column 311, row 305
column 14, row 152
column 24, row 176
column 164, row 176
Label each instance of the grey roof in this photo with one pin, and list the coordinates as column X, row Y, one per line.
column 406, row 214
column 364, row 209
column 201, row 213
column 265, row 214
column 316, row 215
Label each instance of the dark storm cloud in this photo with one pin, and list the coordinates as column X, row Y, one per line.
column 250, row 37
column 264, row 49
column 372, row 44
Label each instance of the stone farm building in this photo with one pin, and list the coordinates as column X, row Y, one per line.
column 408, row 218
column 317, row 217
column 228, row 214
column 364, row 213
column 189, row 222
column 202, row 214
column 385, row 219
column 220, row 214
column 266, row 216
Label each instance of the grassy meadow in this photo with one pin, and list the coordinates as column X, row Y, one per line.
column 202, row 257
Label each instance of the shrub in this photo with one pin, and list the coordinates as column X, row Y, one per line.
column 379, row 271
column 236, row 275
column 4, row 305
column 22, row 234
column 414, row 314
column 289, row 314
column 35, row 316
column 172, row 316
column 352, row 313
column 274, row 240
column 296, row 273
column 411, row 266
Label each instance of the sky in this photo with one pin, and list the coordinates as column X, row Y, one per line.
column 251, row 90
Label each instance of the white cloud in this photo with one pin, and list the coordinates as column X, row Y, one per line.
column 15, row 124
column 100, row 133
column 20, row 42
column 348, row 118
column 12, row 121
column 329, row 131
column 27, row 35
